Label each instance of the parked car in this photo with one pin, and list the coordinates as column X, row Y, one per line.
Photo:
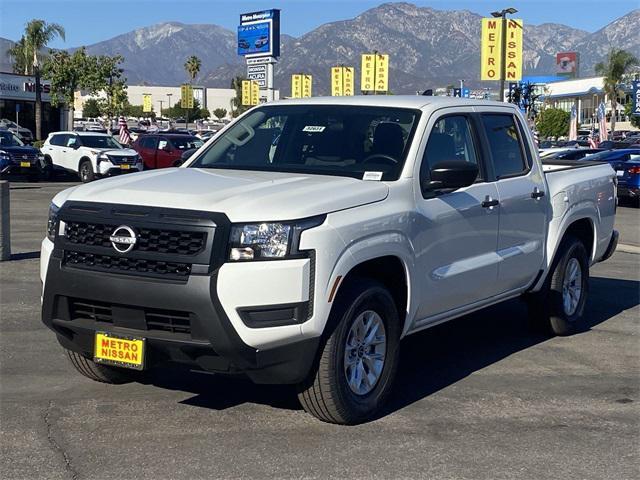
column 614, row 157
column 628, row 174
column 261, row 41
column 293, row 250
column 161, row 151
column 90, row 155
column 23, row 133
column 17, row 157
column 243, row 44
column 571, row 154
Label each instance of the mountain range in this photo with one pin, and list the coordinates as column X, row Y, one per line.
column 427, row 47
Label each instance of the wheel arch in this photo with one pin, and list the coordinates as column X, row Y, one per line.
column 83, row 159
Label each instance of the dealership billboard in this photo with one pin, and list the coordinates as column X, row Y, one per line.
column 567, row 63
column 259, row 34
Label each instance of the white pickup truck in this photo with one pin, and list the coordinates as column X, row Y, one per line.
column 307, row 238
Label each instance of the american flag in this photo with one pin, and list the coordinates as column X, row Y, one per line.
column 125, row 138
column 593, row 143
column 573, row 126
column 602, row 121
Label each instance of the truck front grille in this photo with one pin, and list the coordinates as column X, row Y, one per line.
column 120, row 264
column 148, row 239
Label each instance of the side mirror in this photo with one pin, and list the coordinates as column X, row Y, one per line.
column 452, row 174
column 178, row 162
column 75, row 146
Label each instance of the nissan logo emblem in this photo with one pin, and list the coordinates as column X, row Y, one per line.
column 123, row 239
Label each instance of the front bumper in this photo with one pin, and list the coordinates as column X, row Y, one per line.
column 219, row 306
column 16, row 167
column 106, row 168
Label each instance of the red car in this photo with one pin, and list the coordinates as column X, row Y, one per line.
column 164, row 149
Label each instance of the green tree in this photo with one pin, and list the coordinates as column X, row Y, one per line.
column 613, row 69
column 37, row 36
column 195, row 113
column 192, row 66
column 220, row 113
column 91, row 108
column 67, row 73
column 236, row 102
column 635, row 120
column 137, row 111
column 104, row 74
column 553, row 122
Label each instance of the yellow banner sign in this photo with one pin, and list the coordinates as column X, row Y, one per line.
column 255, row 92
column 186, row 96
column 301, row 85
column 374, row 74
column 146, row 103
column 250, row 93
column 342, row 81
column 513, row 68
column 491, row 49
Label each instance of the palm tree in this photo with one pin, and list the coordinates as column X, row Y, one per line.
column 616, row 65
column 236, row 102
column 192, row 66
column 37, row 36
column 20, row 58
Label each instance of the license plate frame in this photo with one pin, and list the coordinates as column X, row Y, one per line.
column 107, row 355
column 620, row 173
column 25, row 164
column 125, row 166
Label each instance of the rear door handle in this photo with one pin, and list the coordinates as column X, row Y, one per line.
column 489, row 203
column 537, row 193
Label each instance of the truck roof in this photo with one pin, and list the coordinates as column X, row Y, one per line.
column 399, row 101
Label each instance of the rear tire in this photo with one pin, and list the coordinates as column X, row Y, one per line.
column 85, row 171
column 348, row 385
column 98, row 372
column 559, row 306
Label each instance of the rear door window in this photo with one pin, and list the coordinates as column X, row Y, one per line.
column 505, row 145
column 58, row 140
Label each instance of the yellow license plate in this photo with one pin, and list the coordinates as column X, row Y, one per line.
column 125, row 167
column 25, row 164
column 119, row 351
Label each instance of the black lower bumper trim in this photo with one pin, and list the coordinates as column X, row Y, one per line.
column 216, row 347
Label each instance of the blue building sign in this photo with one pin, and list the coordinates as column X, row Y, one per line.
column 259, row 34
column 636, row 98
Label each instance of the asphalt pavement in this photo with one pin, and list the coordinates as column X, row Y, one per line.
column 480, row 397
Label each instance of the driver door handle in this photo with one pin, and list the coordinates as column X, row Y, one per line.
column 490, row 203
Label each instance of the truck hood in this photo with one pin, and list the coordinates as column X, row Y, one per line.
column 243, row 196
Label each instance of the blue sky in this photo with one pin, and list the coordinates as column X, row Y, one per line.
column 90, row 21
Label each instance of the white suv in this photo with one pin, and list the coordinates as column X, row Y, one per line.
column 89, row 154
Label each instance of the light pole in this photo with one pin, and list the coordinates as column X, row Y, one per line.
column 169, row 104
column 161, row 102
column 503, row 62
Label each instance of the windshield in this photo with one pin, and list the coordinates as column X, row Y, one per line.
column 186, row 142
column 316, row 139
column 8, row 139
column 99, row 141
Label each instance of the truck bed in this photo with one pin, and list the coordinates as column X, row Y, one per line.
column 553, row 165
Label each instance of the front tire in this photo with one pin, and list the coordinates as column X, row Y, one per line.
column 559, row 306
column 97, row 372
column 85, row 172
column 357, row 364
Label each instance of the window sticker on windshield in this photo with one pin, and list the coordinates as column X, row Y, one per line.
column 372, row 176
column 313, row 128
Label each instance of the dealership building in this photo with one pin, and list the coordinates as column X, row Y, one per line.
column 18, row 103
column 163, row 97
column 586, row 94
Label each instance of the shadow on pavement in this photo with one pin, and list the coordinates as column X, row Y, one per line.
column 430, row 360
column 24, row 256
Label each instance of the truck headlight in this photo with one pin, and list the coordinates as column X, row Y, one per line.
column 52, row 222
column 269, row 240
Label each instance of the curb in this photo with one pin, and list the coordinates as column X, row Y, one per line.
column 622, row 247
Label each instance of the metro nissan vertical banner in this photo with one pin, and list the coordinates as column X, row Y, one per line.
column 491, row 49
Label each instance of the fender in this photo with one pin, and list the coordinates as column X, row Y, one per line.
column 385, row 244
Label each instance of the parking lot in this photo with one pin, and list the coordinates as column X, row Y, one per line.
column 480, row 397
